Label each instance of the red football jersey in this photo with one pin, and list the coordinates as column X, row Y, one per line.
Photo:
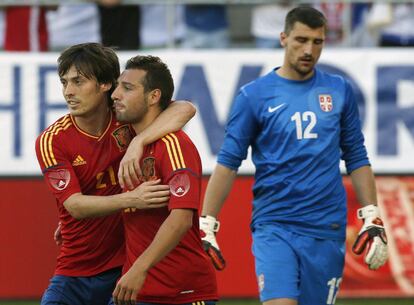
column 73, row 161
column 186, row 274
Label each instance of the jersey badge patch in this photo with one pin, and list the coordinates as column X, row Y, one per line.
column 59, row 179
column 78, row 161
column 180, row 184
column 325, row 102
column 122, row 136
column 148, row 169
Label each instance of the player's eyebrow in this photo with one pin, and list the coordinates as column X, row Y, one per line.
column 78, row 77
column 124, row 83
column 73, row 78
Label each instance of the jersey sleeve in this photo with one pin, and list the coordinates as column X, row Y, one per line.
column 353, row 149
column 240, row 130
column 181, row 170
column 56, row 168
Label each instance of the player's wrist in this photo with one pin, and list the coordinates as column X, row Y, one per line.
column 141, row 265
column 140, row 140
column 124, row 201
column 209, row 223
column 370, row 211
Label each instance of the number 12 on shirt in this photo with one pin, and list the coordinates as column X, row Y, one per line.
column 304, row 133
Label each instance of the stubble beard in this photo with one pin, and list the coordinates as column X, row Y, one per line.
column 302, row 71
column 127, row 117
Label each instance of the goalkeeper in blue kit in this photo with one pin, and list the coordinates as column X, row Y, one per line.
column 299, row 122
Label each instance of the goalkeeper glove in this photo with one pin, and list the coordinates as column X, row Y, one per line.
column 371, row 236
column 209, row 226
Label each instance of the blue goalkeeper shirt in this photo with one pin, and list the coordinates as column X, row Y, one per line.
column 298, row 131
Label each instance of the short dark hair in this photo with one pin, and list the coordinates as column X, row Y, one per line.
column 158, row 76
column 306, row 15
column 94, row 61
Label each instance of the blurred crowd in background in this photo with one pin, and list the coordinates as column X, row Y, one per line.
column 133, row 27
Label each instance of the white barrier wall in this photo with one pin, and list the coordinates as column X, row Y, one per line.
column 383, row 79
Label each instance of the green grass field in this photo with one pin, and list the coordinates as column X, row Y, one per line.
column 255, row 302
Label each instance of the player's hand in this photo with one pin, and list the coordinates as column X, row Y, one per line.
column 149, row 195
column 371, row 237
column 209, row 226
column 128, row 286
column 57, row 236
column 129, row 169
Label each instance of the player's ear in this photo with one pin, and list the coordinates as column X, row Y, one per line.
column 154, row 96
column 283, row 38
column 105, row 87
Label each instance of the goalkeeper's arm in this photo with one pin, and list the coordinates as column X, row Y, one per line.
column 371, row 238
column 218, row 188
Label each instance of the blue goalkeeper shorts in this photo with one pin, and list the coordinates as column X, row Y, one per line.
column 92, row 290
column 298, row 267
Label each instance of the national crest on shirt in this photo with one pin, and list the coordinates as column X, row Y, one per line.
column 325, row 102
column 148, row 174
column 123, row 137
column 148, row 169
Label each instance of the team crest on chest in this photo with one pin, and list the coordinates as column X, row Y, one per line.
column 122, row 136
column 325, row 102
column 148, row 169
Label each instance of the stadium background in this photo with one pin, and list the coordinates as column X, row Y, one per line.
column 30, row 99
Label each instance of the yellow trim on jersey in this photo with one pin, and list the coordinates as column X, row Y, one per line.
column 43, row 140
column 167, row 144
column 180, row 154
column 107, row 127
column 41, row 150
column 90, row 135
column 174, row 151
column 46, row 139
column 53, row 133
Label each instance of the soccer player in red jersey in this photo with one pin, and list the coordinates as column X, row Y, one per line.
column 166, row 263
column 79, row 156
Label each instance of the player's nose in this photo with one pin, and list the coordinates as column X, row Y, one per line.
column 115, row 94
column 68, row 90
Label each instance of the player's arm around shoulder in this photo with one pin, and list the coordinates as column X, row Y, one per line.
column 171, row 119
